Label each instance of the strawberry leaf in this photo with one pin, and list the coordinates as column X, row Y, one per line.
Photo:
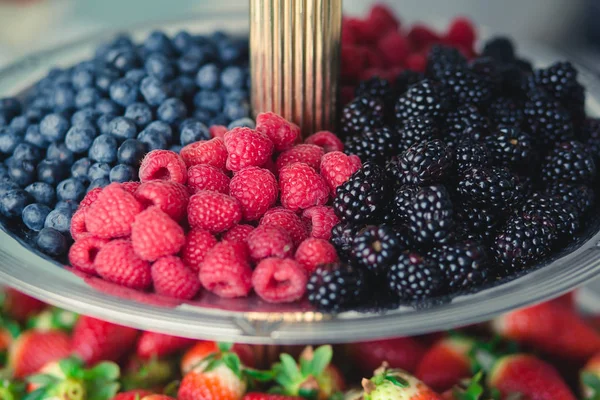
column 495, row 394
column 260, row 376
column 591, row 381
column 309, row 394
column 103, row 391
column 172, row 388
column 42, row 380
column 71, row 367
column 105, row 370
column 290, row 368
column 232, row 361
column 321, row 359
column 305, row 366
column 37, row 394
column 397, row 381
column 212, row 364
column 224, row 347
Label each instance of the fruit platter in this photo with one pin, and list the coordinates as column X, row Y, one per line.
column 139, row 186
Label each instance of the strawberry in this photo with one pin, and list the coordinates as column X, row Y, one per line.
column 404, row 353
column 445, row 363
column 552, row 328
column 148, row 374
column 132, row 395
column 269, row 396
column 32, row 350
column 95, row 340
column 53, row 318
column 151, row 344
column 395, row 384
column 567, row 300
column 157, row 397
column 471, row 389
column 20, row 306
column 201, row 350
column 528, row 376
column 590, row 378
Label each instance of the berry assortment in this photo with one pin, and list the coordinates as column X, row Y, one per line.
column 547, row 352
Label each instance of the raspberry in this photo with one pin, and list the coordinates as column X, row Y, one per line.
column 256, row 190
column 302, row 187
column 117, row 262
column 382, row 19
column 353, row 61
column 169, row 196
column 246, row 148
column 269, row 241
column 130, row 187
column 421, row 36
column 416, row 62
column 163, row 164
column 83, row 253
column 282, row 133
column 287, row 220
column 197, row 243
column 309, row 154
column 313, row 252
column 214, row 212
column 279, row 281
column 211, row 152
column 238, row 232
column 337, row 167
column 394, row 48
column 154, row 234
column 112, row 214
column 90, row 197
column 78, row 228
column 226, row 271
column 207, row 177
column 217, row 131
column 172, row 278
column 327, row 140
column 461, row 32
column 322, row 219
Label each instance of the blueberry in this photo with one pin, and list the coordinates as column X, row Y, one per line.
column 242, row 122
column 105, row 78
column 59, row 219
column 87, row 114
column 188, row 64
column 140, row 113
column 19, row 124
column 131, row 152
column 103, row 123
column 154, row 91
column 233, row 78
column 98, row 183
column 182, row 41
column 22, row 172
column 186, row 85
column 232, row 51
column 192, row 130
column 70, row 189
column 122, row 59
column 208, row 77
column 34, row 137
column 123, row 128
column 80, row 168
column 122, row 173
column 106, row 106
column 209, row 100
column 124, row 91
column 6, row 186
column 69, row 206
column 160, row 67
column 172, row 111
column 63, row 98
column 26, row 151
column 13, row 202
column 98, row 170
column 236, row 110
column 10, row 106
column 162, row 128
column 203, row 116
column 53, row 127
column 236, row 95
column 104, row 149
column 60, row 153
column 203, row 52
column 153, row 139
column 87, row 97
column 34, row 216
column 136, row 75
column 158, row 42
column 176, row 148
column 219, row 120
column 42, row 192
column 79, row 138
column 4, row 173
column 34, row 114
column 82, row 78
column 9, row 139
column 59, row 76
column 51, row 171
column 52, row 242
column 122, row 40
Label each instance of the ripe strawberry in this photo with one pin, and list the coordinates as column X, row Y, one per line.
column 404, row 353
column 269, row 396
column 445, row 363
column 19, row 306
column 151, row 344
column 529, row 376
column 194, row 356
column 157, row 397
column 95, row 340
column 33, row 349
column 552, row 328
column 396, row 384
column 136, row 394
column 590, row 378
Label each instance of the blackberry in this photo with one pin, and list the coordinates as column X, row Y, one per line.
column 512, row 148
column 413, row 277
column 580, row 196
column 360, row 114
column 376, row 144
column 464, row 86
column 563, row 216
column 469, row 154
column 342, row 236
column 362, row 198
column 441, row 58
column 505, row 111
column 415, row 130
column 491, row 188
column 375, row 247
column 487, row 70
column 375, row 88
column 458, row 121
column 406, row 79
column 431, row 216
column 590, row 135
column 523, row 241
column 481, row 222
column 424, row 163
column 546, row 119
column 500, row 48
column 569, row 162
column 425, row 98
column 560, row 80
column 465, row 265
column 335, row 287
column 403, row 198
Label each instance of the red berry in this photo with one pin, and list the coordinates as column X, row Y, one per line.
column 394, row 48
column 117, row 262
column 217, row 131
column 416, row 62
column 282, row 133
column 302, row 187
column 226, row 271
column 130, row 187
column 247, row 148
column 214, row 212
column 169, row 196
column 238, row 232
column 90, row 197
column 421, row 36
column 163, row 164
column 462, row 32
column 113, row 212
column 327, row 140
column 154, row 234
column 383, row 18
column 309, row 154
column 211, row 152
column 314, row 252
column 83, row 253
column 322, row 219
column 346, row 94
column 279, row 281
column 287, row 220
column 256, row 190
column 337, row 167
column 353, row 62
column 269, row 241
column 172, row 278
column 197, row 243
column 375, row 63
column 351, row 31
column 78, row 229
column 207, row 177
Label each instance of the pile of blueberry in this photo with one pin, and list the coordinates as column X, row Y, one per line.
column 88, row 125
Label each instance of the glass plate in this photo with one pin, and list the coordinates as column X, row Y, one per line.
column 251, row 320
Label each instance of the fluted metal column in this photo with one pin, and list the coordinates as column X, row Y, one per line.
column 295, row 58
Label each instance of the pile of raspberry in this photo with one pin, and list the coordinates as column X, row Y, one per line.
column 246, row 210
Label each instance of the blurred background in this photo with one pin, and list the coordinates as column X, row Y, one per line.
column 28, row 25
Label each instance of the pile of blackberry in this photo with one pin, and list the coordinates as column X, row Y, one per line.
column 472, row 172
column 83, row 127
